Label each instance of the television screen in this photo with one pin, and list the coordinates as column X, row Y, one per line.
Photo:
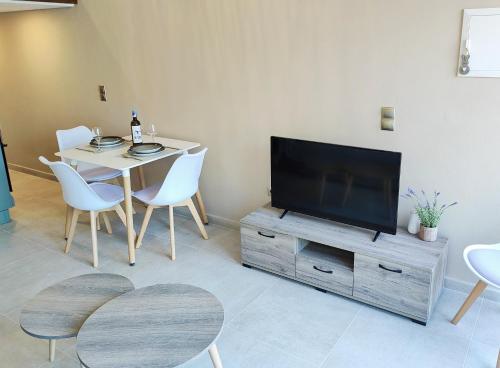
column 352, row 185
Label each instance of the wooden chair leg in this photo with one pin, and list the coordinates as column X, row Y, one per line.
column 201, row 205
column 98, row 221
column 478, row 289
column 121, row 214
column 72, row 227
column 214, row 355
column 93, row 227
column 197, row 218
column 52, row 350
column 147, row 217
column 107, row 223
column 172, row 233
column 69, row 215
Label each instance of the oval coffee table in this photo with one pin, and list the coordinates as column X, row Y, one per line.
column 59, row 311
column 156, row 326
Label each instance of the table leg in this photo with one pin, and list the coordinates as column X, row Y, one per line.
column 130, row 219
column 201, row 206
column 52, row 350
column 142, row 179
column 214, row 355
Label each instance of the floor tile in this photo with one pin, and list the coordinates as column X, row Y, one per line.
column 21, row 280
column 381, row 339
column 489, row 318
column 297, row 319
column 482, row 355
column 17, row 349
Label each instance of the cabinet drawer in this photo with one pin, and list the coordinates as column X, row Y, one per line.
column 399, row 288
column 326, row 267
column 269, row 250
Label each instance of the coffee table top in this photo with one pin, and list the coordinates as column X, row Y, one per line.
column 59, row 311
column 156, row 326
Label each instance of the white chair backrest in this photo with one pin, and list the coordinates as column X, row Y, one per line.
column 76, row 192
column 74, row 137
column 484, row 257
column 181, row 182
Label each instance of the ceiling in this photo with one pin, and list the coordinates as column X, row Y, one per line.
column 19, row 5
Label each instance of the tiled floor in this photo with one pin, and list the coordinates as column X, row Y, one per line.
column 270, row 321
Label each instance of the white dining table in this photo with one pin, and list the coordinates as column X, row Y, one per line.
column 116, row 159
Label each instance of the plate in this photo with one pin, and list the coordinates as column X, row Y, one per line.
column 108, row 141
column 146, row 149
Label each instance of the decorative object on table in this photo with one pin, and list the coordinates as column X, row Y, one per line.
column 145, row 149
column 414, row 222
column 152, row 132
column 429, row 213
column 135, row 127
column 95, row 198
column 97, row 137
column 107, row 142
column 156, row 326
column 59, row 311
column 484, row 262
column 186, row 170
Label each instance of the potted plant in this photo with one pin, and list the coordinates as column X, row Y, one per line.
column 429, row 213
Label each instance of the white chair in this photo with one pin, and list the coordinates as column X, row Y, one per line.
column 180, row 184
column 81, row 196
column 484, row 261
column 72, row 138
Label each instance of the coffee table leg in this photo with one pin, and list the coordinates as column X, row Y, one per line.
column 52, row 350
column 214, row 355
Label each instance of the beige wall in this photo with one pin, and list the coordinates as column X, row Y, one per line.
column 230, row 73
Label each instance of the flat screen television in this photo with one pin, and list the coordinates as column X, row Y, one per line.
column 351, row 185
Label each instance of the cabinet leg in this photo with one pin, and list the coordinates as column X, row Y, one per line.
column 322, row 290
column 419, row 322
column 246, row 265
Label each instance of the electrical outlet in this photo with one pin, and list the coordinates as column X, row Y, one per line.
column 388, row 118
column 102, row 93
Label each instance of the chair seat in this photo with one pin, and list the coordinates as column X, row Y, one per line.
column 99, row 173
column 148, row 194
column 486, row 263
column 113, row 194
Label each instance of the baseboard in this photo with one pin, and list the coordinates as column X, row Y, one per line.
column 218, row 220
column 466, row 287
column 30, row 171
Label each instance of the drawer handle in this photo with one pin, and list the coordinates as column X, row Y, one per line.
column 389, row 269
column 320, row 270
column 267, row 236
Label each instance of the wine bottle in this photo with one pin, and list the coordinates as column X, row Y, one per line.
column 135, row 127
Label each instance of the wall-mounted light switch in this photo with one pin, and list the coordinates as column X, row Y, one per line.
column 102, row 93
column 388, row 118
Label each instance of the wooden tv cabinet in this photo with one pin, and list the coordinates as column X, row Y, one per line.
column 399, row 272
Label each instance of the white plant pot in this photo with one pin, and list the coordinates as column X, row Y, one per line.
column 428, row 234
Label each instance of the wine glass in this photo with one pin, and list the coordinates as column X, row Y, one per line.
column 152, row 132
column 98, row 136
